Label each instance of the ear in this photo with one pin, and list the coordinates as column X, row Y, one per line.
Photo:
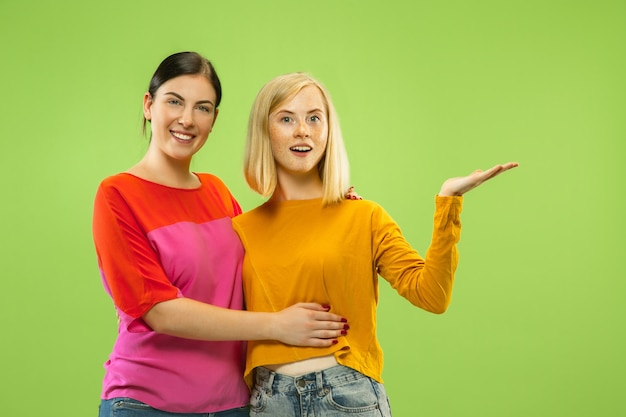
column 147, row 105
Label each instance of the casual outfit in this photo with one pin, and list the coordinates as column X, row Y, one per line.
column 299, row 250
column 155, row 243
column 128, row 407
column 335, row 391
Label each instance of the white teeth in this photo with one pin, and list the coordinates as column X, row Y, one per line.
column 300, row 148
column 181, row 136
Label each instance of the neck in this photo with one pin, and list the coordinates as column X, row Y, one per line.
column 292, row 187
column 165, row 171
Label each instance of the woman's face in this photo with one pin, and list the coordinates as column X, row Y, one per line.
column 182, row 114
column 298, row 131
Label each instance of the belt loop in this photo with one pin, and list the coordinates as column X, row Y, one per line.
column 319, row 381
column 270, row 383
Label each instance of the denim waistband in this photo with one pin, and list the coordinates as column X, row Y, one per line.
column 273, row 382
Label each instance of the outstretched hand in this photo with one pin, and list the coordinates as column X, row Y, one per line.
column 308, row 324
column 460, row 185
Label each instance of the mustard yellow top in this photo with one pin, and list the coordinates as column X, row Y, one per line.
column 300, row 251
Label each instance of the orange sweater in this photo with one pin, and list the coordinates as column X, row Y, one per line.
column 300, row 251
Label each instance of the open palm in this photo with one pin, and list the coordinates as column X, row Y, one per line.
column 461, row 185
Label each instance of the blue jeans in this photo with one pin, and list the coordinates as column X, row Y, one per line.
column 333, row 392
column 127, row 407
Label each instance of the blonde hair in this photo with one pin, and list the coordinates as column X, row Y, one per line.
column 259, row 164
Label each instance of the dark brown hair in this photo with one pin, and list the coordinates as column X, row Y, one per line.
column 184, row 63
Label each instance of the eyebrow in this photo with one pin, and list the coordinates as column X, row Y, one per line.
column 181, row 98
column 315, row 110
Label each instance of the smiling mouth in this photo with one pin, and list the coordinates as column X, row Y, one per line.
column 181, row 136
column 301, row 148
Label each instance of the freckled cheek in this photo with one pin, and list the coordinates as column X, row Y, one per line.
column 276, row 133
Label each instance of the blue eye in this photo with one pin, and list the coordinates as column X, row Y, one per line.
column 286, row 119
column 204, row 109
column 173, row 101
column 315, row 119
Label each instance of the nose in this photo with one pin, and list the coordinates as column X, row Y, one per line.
column 302, row 129
column 185, row 118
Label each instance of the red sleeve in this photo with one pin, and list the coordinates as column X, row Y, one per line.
column 129, row 266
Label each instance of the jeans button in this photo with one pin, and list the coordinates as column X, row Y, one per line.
column 301, row 383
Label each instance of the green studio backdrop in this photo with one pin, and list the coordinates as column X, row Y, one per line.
column 425, row 90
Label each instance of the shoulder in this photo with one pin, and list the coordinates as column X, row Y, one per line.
column 366, row 211
column 213, row 182
column 216, row 187
column 211, row 179
column 120, row 179
column 119, row 183
column 250, row 216
column 357, row 206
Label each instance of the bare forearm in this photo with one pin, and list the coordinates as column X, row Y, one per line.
column 303, row 324
column 190, row 319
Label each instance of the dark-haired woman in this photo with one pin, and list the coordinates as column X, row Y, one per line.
column 171, row 262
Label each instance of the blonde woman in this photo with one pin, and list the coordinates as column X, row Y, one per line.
column 308, row 243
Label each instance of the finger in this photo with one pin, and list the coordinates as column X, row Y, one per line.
column 510, row 165
column 499, row 169
column 492, row 172
column 329, row 333
column 335, row 328
column 331, row 318
column 313, row 306
column 505, row 167
column 321, row 342
column 321, row 312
